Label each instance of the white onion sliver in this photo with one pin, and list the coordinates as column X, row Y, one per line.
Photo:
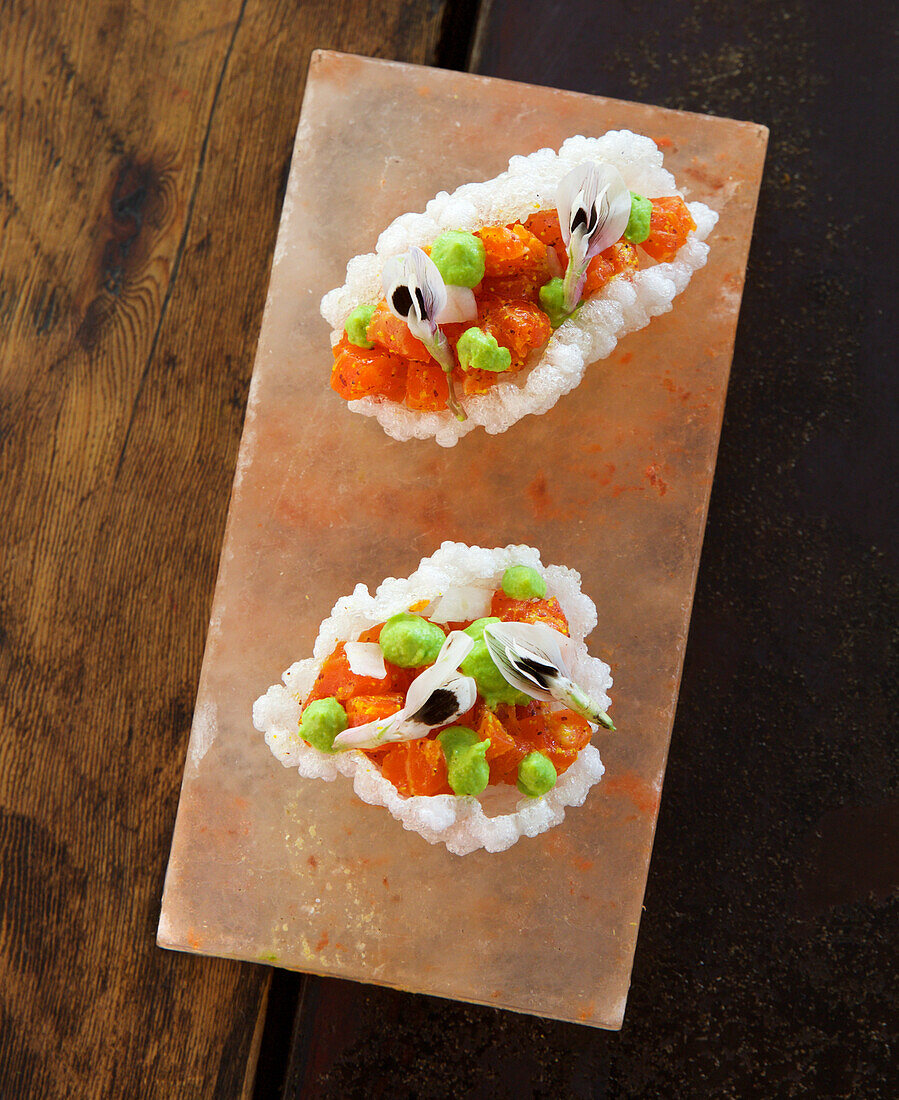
column 366, row 659
column 458, row 605
column 460, row 306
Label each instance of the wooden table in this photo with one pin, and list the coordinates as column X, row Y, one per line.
column 144, row 152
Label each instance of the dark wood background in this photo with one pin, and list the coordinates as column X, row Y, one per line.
column 144, row 152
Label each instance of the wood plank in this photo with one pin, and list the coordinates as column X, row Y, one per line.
column 144, row 149
column 764, row 958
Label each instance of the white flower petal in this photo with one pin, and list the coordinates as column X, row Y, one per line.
column 416, row 293
column 393, row 272
column 429, row 281
column 371, row 734
column 540, row 639
column 520, row 662
column 453, row 652
column 435, row 697
column 568, row 194
column 535, row 659
column 595, row 196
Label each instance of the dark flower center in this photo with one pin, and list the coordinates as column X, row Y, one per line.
column 438, row 708
column 539, row 672
column 402, row 301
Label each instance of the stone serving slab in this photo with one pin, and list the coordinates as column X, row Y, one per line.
column 614, row 481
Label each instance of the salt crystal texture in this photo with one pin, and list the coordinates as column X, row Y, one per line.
column 529, row 184
column 463, row 824
column 615, row 481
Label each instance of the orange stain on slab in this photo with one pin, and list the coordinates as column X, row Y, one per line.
column 538, row 494
column 435, row 517
column 366, row 862
column 323, row 942
column 630, row 785
column 702, row 176
column 675, row 390
column 734, row 281
column 653, row 475
column 604, row 476
column 313, row 498
column 542, row 504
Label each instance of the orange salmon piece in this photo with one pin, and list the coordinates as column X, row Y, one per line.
column 368, row 708
column 480, row 381
column 618, row 259
column 545, row 226
column 359, row 372
column 426, row 386
column 338, row 680
column 519, row 326
column 505, row 752
column 566, row 733
column 669, row 226
column 529, row 611
column 416, row 767
column 393, row 335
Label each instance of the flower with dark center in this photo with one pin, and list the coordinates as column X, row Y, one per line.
column 535, row 659
column 594, row 206
column 435, row 697
column 416, row 293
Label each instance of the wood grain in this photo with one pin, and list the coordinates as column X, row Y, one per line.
column 144, row 149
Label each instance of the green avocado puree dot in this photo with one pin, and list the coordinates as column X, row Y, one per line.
column 492, row 685
column 638, row 223
column 478, row 350
column 460, row 258
column 466, row 767
column 521, row 582
column 536, row 775
column 551, row 302
column 410, row 641
column 320, row 723
column 356, row 326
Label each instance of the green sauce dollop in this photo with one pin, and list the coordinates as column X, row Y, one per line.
column 356, row 327
column 552, row 302
column 638, row 224
column 521, row 582
column 460, row 258
column 478, row 350
column 321, row 722
column 536, row 775
column 410, row 641
column 467, row 769
column 492, row 686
